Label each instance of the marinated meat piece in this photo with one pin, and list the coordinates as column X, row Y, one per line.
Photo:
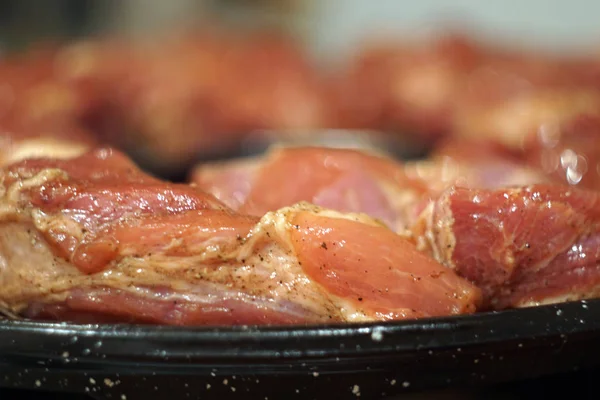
column 341, row 179
column 351, row 180
column 229, row 181
column 523, row 246
column 510, row 95
column 95, row 239
column 150, row 98
column 355, row 181
column 513, row 95
column 473, row 164
column 564, row 153
column 279, row 88
column 100, row 69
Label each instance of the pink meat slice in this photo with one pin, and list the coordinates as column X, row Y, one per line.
column 93, row 238
column 521, row 246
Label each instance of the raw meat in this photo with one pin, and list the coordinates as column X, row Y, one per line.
column 341, row 179
column 95, row 239
column 522, row 246
column 355, row 181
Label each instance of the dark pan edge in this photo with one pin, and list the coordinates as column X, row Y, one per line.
column 236, row 344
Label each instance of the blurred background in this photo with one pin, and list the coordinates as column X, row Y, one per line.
column 328, row 26
column 177, row 82
column 331, row 27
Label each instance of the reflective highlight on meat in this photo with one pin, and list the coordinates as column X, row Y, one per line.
column 355, row 181
column 521, row 246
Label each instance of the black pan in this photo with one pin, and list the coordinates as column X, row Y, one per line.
column 337, row 361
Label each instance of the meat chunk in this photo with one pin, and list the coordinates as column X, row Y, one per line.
column 476, row 164
column 522, row 246
column 341, row 179
column 511, row 96
column 355, row 181
column 33, row 95
column 95, row 239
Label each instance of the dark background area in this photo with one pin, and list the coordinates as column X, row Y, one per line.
column 25, row 21
column 579, row 385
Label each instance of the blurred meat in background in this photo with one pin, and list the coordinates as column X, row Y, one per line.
column 177, row 82
column 194, row 93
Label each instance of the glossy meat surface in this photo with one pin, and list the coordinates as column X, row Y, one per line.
column 522, row 246
column 474, row 164
column 95, row 239
column 356, row 181
column 340, row 179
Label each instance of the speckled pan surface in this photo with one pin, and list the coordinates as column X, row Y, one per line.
column 368, row 361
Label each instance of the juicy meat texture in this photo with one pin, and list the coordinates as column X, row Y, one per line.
column 387, row 294
column 94, row 239
column 340, row 179
column 475, row 164
column 456, row 164
column 522, row 246
column 356, row 181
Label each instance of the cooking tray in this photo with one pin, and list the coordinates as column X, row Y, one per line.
column 346, row 361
